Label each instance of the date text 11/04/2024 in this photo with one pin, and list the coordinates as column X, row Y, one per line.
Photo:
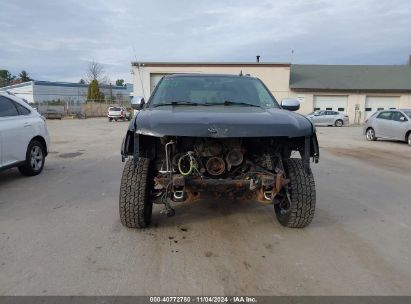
column 203, row 299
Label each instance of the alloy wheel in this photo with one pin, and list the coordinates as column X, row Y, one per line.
column 370, row 134
column 36, row 158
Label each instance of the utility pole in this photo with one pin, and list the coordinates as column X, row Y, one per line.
column 111, row 94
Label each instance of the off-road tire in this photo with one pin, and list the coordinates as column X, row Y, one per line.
column 28, row 169
column 302, row 194
column 339, row 123
column 135, row 205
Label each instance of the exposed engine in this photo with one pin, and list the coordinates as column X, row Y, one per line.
column 194, row 165
column 212, row 158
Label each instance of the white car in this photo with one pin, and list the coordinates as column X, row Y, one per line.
column 117, row 113
column 24, row 138
column 329, row 118
column 389, row 124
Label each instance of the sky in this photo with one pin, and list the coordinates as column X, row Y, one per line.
column 55, row 40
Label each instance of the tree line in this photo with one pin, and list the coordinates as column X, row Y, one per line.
column 6, row 78
column 95, row 77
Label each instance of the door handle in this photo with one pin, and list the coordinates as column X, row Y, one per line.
column 27, row 125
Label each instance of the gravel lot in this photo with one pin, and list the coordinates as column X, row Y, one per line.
column 60, row 232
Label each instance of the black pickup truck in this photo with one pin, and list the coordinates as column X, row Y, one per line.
column 224, row 134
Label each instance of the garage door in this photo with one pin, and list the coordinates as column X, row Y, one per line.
column 154, row 79
column 330, row 102
column 377, row 103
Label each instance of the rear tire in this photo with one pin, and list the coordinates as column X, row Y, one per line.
column 35, row 158
column 409, row 138
column 136, row 207
column 370, row 134
column 339, row 123
column 110, row 119
column 302, row 193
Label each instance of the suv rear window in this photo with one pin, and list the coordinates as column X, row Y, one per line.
column 384, row 115
column 7, row 107
column 115, row 109
column 22, row 110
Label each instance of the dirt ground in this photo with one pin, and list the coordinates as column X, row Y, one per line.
column 60, row 232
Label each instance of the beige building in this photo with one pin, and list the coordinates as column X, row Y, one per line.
column 357, row 91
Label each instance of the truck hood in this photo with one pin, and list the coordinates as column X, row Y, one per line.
column 221, row 121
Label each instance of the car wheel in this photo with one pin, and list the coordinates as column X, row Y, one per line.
column 409, row 138
column 135, row 205
column 35, row 157
column 302, row 196
column 370, row 134
column 115, row 119
column 339, row 123
column 110, row 119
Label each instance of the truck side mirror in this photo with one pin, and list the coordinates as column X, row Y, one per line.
column 290, row 104
column 137, row 102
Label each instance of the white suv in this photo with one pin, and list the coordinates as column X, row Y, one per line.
column 118, row 112
column 24, row 138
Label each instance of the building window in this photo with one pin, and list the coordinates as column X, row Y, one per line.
column 368, row 109
column 380, row 109
column 328, row 109
column 316, row 109
column 341, row 109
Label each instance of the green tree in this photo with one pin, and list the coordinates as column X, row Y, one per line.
column 82, row 81
column 119, row 82
column 6, row 78
column 93, row 93
column 24, row 76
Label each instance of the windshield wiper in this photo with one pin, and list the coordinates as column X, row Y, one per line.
column 177, row 103
column 234, row 103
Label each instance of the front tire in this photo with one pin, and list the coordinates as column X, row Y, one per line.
column 302, row 195
column 409, row 138
column 35, row 157
column 370, row 134
column 135, row 204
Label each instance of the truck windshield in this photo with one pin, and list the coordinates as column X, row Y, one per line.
column 212, row 90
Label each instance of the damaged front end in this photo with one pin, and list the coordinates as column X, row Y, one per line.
column 242, row 168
